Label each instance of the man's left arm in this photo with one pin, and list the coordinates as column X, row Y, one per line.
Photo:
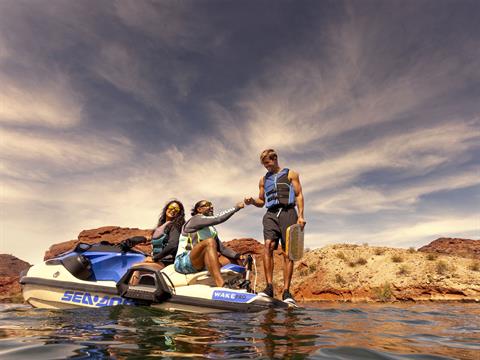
column 297, row 187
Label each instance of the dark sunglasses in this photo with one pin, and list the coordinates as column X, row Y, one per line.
column 205, row 204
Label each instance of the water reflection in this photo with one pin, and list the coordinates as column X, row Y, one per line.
column 285, row 335
column 318, row 331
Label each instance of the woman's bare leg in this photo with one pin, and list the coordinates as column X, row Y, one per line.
column 205, row 254
column 134, row 280
column 224, row 260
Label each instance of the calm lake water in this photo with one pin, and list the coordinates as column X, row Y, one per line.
column 318, row 331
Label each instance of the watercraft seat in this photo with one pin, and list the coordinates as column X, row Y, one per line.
column 229, row 272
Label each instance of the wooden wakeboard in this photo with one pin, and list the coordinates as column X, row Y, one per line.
column 294, row 242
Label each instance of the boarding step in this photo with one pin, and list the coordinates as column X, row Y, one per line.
column 152, row 289
column 141, row 292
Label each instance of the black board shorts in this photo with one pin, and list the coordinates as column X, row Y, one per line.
column 276, row 222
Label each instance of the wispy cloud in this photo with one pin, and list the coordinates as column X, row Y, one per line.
column 376, row 112
column 69, row 152
column 449, row 226
column 47, row 100
column 119, row 66
column 175, row 25
column 343, row 82
column 412, row 153
column 361, row 200
column 403, row 233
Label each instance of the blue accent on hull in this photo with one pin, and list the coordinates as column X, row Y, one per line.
column 112, row 266
column 234, row 267
column 108, row 265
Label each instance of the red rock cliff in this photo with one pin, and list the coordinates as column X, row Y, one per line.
column 454, row 246
column 10, row 269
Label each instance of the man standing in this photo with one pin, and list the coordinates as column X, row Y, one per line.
column 280, row 191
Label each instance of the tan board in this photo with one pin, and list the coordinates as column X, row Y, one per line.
column 294, row 242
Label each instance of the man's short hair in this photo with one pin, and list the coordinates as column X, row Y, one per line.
column 268, row 153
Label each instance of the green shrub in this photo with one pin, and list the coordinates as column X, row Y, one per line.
column 441, row 267
column 341, row 256
column 361, row 261
column 412, row 250
column 397, row 259
column 312, row 268
column 379, row 251
column 352, row 263
column 432, row 256
column 384, row 292
column 403, row 270
column 339, row 279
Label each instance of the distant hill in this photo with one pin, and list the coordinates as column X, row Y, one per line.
column 454, row 246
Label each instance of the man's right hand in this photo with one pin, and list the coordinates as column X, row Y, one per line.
column 249, row 201
column 241, row 205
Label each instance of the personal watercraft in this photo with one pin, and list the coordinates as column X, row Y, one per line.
column 101, row 275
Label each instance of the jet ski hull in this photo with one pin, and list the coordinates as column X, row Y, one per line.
column 50, row 297
column 62, row 295
column 99, row 279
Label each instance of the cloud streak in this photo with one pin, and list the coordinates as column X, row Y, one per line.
column 46, row 101
column 129, row 104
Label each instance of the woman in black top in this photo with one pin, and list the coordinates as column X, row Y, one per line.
column 165, row 236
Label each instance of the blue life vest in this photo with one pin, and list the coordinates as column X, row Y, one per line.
column 279, row 190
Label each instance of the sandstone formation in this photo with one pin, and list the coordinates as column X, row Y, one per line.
column 446, row 269
column 454, row 246
column 112, row 234
column 10, row 269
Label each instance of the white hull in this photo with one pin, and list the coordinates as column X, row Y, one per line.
column 53, row 287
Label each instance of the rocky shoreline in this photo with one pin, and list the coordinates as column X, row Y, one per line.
column 445, row 270
column 10, row 269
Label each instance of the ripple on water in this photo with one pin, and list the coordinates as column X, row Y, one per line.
column 362, row 353
column 28, row 348
column 340, row 331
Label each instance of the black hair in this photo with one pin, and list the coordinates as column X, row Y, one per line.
column 197, row 205
column 179, row 219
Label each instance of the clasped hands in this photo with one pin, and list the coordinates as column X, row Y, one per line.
column 246, row 201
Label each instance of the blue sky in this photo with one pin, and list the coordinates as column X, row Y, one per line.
column 110, row 108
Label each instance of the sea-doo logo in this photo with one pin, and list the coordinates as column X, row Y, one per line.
column 232, row 296
column 85, row 298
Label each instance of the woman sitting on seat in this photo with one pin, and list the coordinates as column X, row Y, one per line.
column 199, row 244
column 164, row 238
column 167, row 233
